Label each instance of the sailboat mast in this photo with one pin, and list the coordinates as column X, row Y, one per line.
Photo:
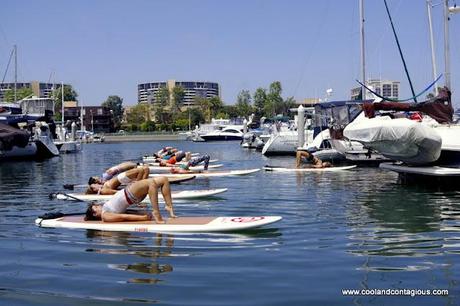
column 15, row 73
column 62, row 102
column 363, row 54
column 433, row 55
column 446, row 44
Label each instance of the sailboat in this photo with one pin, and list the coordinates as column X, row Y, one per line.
column 428, row 145
column 26, row 127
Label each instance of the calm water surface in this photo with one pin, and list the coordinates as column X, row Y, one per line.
column 350, row 230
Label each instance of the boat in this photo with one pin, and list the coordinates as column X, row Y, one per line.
column 336, row 116
column 31, row 118
column 321, row 147
column 226, row 133
column 431, row 139
column 215, row 129
column 284, row 137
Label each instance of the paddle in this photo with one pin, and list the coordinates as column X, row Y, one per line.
column 72, row 186
column 54, row 195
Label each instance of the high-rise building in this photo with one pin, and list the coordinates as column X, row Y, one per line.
column 39, row 89
column 147, row 92
column 385, row 88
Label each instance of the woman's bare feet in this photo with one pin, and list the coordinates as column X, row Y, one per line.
column 171, row 211
column 157, row 217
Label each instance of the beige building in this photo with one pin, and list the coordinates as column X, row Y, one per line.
column 385, row 88
column 39, row 89
column 147, row 92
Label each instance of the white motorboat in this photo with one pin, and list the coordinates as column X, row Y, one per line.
column 321, row 147
column 284, row 140
column 227, row 133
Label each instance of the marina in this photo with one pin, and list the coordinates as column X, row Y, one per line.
column 248, row 153
column 353, row 222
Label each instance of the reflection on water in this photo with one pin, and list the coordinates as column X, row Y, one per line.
column 357, row 224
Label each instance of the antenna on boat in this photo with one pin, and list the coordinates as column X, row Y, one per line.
column 400, row 51
column 15, row 72
column 429, row 6
column 363, row 55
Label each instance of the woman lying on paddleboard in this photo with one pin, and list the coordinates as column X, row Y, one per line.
column 185, row 168
column 114, row 210
column 97, row 185
column 171, row 160
column 117, row 169
column 315, row 161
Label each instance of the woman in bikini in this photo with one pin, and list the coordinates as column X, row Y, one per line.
column 114, row 210
column 96, row 185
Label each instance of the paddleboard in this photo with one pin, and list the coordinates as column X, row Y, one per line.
column 428, row 171
column 151, row 159
column 196, row 168
column 209, row 174
column 176, row 195
column 171, row 225
column 328, row 169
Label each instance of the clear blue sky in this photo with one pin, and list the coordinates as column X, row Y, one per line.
column 107, row 47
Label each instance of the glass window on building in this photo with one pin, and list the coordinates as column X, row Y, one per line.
column 99, row 111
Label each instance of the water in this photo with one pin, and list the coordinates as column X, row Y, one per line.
column 350, row 230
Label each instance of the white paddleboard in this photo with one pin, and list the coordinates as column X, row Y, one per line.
column 175, row 195
column 209, row 174
column 328, row 169
column 429, row 171
column 180, row 224
column 151, row 159
column 196, row 168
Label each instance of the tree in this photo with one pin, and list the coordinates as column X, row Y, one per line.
column 231, row 111
column 115, row 104
column 243, row 104
column 205, row 107
column 161, row 101
column 69, row 95
column 20, row 94
column 216, row 105
column 137, row 114
column 178, row 96
column 260, row 98
column 274, row 103
column 288, row 104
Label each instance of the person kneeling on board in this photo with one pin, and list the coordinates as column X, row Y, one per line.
column 114, row 210
column 97, row 185
column 185, row 168
column 316, row 162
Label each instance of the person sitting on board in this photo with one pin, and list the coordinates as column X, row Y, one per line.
column 96, row 185
column 185, row 168
column 316, row 162
column 175, row 158
column 117, row 169
column 114, row 210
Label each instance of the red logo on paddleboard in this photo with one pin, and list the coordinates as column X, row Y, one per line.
column 246, row 219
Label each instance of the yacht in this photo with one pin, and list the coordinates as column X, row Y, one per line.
column 227, row 133
column 30, row 120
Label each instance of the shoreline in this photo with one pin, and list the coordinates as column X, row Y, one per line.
column 151, row 137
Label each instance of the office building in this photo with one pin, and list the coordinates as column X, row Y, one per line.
column 39, row 89
column 147, row 92
column 385, row 88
